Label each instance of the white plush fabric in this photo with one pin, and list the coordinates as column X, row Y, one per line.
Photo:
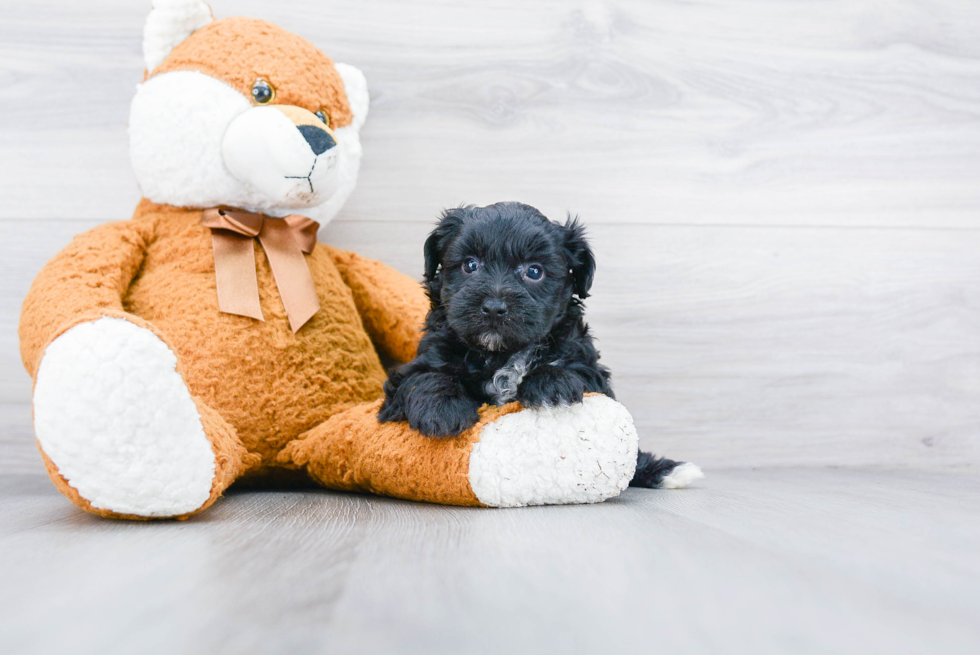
column 177, row 123
column 581, row 453
column 196, row 142
column 115, row 417
column 355, row 85
column 346, row 170
column 169, row 23
column 263, row 149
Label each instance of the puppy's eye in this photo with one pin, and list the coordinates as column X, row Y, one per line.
column 471, row 265
column 323, row 117
column 534, row 273
column 262, row 92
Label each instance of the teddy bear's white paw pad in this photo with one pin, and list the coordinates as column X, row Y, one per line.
column 583, row 453
column 114, row 415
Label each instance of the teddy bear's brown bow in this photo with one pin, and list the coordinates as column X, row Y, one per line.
column 284, row 241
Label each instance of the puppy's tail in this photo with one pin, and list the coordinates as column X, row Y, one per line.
column 663, row 473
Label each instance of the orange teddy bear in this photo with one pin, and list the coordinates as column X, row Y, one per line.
column 211, row 338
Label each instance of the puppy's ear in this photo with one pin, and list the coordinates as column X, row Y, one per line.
column 581, row 262
column 448, row 229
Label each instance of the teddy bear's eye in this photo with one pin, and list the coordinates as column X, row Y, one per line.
column 323, row 117
column 263, row 92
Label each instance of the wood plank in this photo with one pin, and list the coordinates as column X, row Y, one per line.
column 18, row 449
column 754, row 346
column 838, row 113
column 730, row 345
column 32, row 244
column 800, row 560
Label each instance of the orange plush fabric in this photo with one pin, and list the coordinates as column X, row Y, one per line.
column 393, row 322
column 353, row 452
column 239, row 50
column 257, row 386
column 270, row 384
column 265, row 402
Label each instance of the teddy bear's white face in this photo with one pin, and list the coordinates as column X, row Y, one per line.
column 196, row 141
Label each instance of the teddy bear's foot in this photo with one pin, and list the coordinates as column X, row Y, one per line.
column 118, row 428
column 582, row 453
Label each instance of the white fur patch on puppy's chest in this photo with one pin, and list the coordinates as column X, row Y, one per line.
column 505, row 382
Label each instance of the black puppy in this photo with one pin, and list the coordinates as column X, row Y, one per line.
column 506, row 323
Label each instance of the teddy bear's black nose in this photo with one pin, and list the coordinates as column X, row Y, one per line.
column 320, row 140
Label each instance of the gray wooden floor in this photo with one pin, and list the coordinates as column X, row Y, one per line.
column 784, row 203
column 751, row 561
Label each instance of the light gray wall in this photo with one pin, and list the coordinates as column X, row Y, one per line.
column 784, row 196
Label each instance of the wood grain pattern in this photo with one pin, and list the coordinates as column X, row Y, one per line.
column 763, row 561
column 782, row 195
column 749, row 346
column 832, row 113
column 731, row 346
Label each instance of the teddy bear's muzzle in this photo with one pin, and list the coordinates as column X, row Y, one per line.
column 286, row 153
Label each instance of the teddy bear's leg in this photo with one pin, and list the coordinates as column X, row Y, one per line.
column 119, row 430
column 583, row 453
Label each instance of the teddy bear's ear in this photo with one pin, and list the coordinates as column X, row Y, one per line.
column 169, row 23
column 357, row 92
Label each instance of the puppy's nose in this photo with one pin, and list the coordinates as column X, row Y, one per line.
column 494, row 307
column 319, row 139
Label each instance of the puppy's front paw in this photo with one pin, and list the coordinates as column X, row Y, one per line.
column 550, row 386
column 391, row 411
column 443, row 417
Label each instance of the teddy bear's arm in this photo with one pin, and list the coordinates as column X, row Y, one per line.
column 85, row 281
column 391, row 304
